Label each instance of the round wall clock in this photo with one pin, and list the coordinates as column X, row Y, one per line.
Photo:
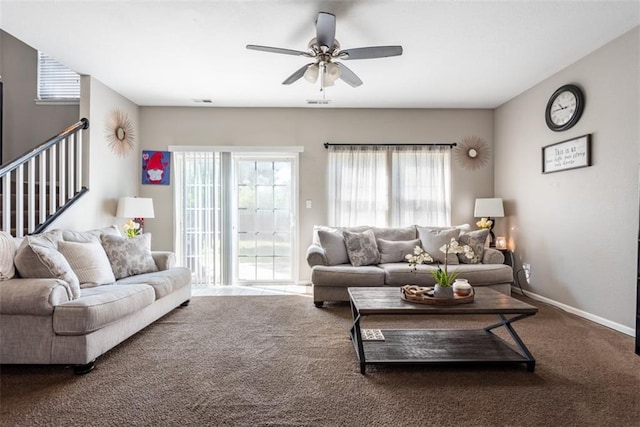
column 564, row 108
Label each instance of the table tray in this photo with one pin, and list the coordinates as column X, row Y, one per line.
column 418, row 294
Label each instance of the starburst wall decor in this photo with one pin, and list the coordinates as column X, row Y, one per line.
column 472, row 152
column 120, row 134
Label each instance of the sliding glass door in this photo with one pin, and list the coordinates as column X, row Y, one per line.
column 236, row 216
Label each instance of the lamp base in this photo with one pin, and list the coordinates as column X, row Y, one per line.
column 492, row 237
column 141, row 222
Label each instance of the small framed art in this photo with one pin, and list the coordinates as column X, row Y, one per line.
column 156, row 167
column 570, row 154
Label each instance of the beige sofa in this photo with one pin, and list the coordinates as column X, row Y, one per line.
column 81, row 310
column 332, row 271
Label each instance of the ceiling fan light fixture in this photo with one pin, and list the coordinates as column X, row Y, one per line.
column 311, row 74
column 331, row 74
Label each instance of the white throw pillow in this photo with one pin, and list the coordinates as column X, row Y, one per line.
column 7, row 254
column 396, row 251
column 433, row 238
column 334, row 248
column 88, row 261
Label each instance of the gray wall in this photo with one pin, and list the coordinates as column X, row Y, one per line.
column 162, row 127
column 25, row 124
column 578, row 228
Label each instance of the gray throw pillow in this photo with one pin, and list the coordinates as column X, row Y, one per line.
column 433, row 238
column 88, row 261
column 391, row 251
column 332, row 241
column 362, row 248
column 7, row 254
column 476, row 240
column 129, row 256
column 38, row 257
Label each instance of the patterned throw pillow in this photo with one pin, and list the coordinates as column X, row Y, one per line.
column 7, row 253
column 476, row 240
column 38, row 257
column 362, row 248
column 433, row 238
column 129, row 256
column 88, row 261
column 395, row 251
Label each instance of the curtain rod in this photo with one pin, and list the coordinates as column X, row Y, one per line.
column 450, row 145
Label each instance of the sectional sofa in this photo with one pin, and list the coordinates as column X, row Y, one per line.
column 67, row 297
column 365, row 256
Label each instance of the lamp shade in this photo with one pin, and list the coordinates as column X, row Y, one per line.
column 486, row 208
column 135, row 207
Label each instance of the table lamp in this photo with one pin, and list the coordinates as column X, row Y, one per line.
column 490, row 209
column 136, row 208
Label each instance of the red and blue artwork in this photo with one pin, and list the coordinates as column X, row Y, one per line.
column 156, row 167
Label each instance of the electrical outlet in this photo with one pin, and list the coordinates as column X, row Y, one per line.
column 527, row 271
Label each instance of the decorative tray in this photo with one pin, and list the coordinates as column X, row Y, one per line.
column 422, row 295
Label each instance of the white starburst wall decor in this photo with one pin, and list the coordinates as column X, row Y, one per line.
column 119, row 132
column 472, row 152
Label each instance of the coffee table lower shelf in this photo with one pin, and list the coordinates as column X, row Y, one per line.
column 438, row 346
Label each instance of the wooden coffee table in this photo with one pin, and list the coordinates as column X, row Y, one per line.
column 441, row 346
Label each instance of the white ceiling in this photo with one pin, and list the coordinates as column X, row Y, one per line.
column 473, row 54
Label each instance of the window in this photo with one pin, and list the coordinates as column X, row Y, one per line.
column 56, row 82
column 395, row 185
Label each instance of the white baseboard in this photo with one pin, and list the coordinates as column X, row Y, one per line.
column 597, row 319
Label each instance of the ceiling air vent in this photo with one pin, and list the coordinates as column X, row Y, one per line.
column 318, row 101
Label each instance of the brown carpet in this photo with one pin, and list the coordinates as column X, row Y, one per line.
column 278, row 360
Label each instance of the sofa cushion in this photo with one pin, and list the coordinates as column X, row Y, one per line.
column 362, row 248
column 396, row 251
column 88, row 261
column 100, row 306
column 332, row 241
column 162, row 282
column 395, row 233
column 129, row 256
column 347, row 275
column 7, row 254
column 434, row 238
column 87, row 236
column 400, row 274
column 476, row 240
column 38, row 257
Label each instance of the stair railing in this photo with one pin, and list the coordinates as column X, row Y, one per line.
column 53, row 182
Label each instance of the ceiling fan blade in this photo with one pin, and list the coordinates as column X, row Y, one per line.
column 326, row 29
column 277, row 50
column 348, row 76
column 371, row 52
column 296, row 75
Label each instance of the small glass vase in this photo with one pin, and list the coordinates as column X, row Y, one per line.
column 442, row 291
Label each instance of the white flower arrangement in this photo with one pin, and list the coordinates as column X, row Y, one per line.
column 484, row 223
column 442, row 276
column 131, row 228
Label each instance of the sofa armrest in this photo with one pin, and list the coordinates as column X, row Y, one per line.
column 316, row 256
column 33, row 296
column 492, row 256
column 164, row 259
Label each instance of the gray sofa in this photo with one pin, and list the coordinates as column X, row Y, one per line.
column 332, row 271
column 59, row 304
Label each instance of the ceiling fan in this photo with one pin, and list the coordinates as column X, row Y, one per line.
column 325, row 49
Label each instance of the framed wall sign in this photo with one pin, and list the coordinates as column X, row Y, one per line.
column 571, row 154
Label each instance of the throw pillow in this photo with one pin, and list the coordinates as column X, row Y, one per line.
column 476, row 240
column 391, row 251
column 88, row 236
column 129, row 256
column 7, row 253
column 38, row 257
column 88, row 261
column 332, row 241
column 361, row 248
column 433, row 238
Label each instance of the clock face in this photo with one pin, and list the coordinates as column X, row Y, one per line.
column 563, row 108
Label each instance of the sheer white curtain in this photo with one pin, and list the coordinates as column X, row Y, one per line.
column 392, row 185
column 421, row 185
column 358, row 186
